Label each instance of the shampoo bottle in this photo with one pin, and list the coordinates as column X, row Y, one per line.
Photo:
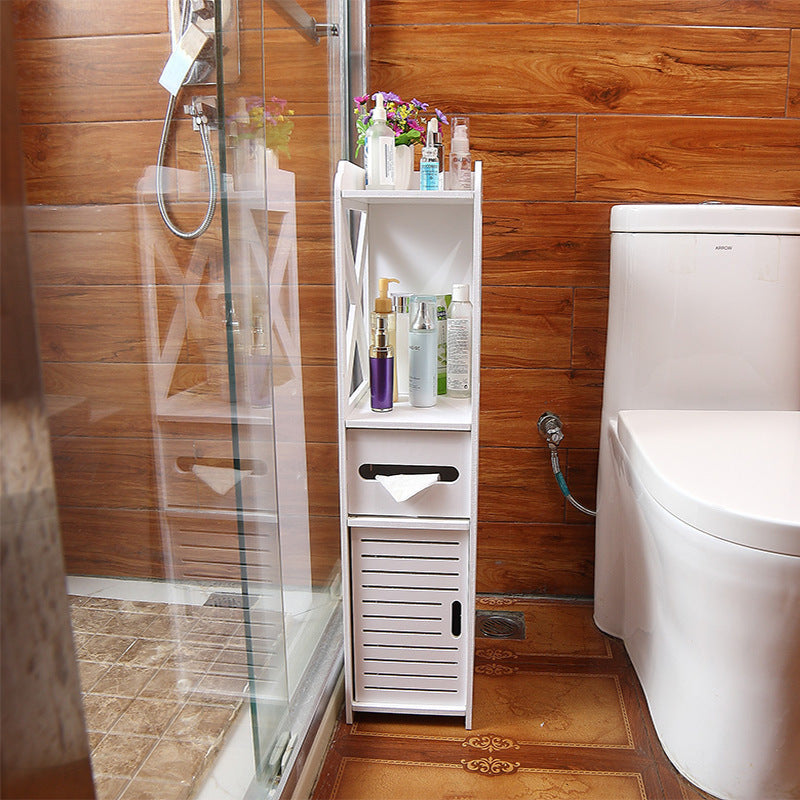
column 382, row 350
column 459, row 342
column 379, row 149
column 423, row 339
column 460, row 174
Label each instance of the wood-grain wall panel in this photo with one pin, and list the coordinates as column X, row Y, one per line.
column 107, row 541
column 678, row 158
column 403, row 12
column 516, row 486
column 105, row 472
column 743, row 13
column 513, row 399
column 620, row 69
column 317, row 331
column 91, row 324
column 525, row 156
column 319, row 399
column 526, row 326
column 97, row 399
column 589, row 328
column 545, row 244
column 579, row 467
column 52, row 19
column 315, row 242
column 547, row 559
column 793, row 98
column 323, row 478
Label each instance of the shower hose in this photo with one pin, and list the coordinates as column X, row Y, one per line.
column 549, row 426
column 201, row 123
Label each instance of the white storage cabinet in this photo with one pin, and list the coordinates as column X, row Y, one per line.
column 408, row 567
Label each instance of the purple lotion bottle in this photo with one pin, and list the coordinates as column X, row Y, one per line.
column 381, row 351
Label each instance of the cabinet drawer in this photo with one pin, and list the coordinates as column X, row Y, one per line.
column 399, row 452
column 409, row 606
column 199, row 473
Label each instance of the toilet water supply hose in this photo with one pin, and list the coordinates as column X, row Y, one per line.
column 551, row 430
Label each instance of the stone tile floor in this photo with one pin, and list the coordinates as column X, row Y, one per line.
column 557, row 716
column 161, row 686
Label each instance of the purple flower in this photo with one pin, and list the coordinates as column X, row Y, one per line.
column 442, row 118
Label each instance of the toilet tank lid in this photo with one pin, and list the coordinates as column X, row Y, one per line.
column 705, row 218
column 732, row 474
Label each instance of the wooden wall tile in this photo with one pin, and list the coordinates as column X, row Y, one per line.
column 624, row 69
column 525, row 327
column 517, row 485
column 317, row 331
column 322, row 461
column 404, row 12
column 545, row 244
column 763, row 14
column 325, row 550
column 580, row 470
column 525, row 157
column 98, row 399
column 91, row 323
column 546, row 559
column 107, row 541
column 105, row 472
column 589, row 328
column 688, row 159
column 315, row 242
column 513, row 400
column 793, row 99
column 319, row 399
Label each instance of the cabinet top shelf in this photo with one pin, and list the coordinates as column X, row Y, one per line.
column 448, row 414
column 390, row 196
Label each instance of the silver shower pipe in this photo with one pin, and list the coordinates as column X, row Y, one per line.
column 551, row 430
column 302, row 21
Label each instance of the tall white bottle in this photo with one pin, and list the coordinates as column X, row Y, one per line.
column 379, row 149
column 423, row 342
column 459, row 342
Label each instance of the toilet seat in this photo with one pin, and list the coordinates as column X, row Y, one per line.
column 732, row 474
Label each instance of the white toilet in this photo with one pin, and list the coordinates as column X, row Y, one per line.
column 698, row 508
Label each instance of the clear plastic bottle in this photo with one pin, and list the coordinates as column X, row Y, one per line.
column 379, row 149
column 459, row 343
column 459, row 176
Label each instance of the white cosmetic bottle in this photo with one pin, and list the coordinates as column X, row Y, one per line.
column 460, row 174
column 459, row 342
column 423, row 342
column 379, row 149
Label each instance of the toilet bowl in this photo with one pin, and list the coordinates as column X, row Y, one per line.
column 698, row 521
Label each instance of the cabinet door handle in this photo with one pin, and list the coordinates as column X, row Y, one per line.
column 455, row 618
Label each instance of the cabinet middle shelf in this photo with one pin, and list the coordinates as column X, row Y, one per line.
column 449, row 413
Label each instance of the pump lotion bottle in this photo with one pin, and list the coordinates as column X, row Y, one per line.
column 379, row 149
column 382, row 350
column 423, row 343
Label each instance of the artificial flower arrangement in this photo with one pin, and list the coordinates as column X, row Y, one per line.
column 404, row 117
column 270, row 121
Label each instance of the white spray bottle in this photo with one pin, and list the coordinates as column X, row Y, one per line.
column 379, row 149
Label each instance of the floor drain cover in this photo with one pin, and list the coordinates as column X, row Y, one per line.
column 227, row 600
column 500, row 624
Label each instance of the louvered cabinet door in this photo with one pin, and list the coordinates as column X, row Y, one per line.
column 409, row 604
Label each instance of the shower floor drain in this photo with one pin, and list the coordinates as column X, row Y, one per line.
column 226, row 600
column 500, row 624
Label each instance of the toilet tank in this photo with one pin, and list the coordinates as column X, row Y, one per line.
column 704, row 308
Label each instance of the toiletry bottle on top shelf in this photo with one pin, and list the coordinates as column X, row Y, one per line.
column 423, row 337
column 429, row 164
column 459, row 177
column 379, row 149
column 433, row 124
column 400, row 304
column 459, row 342
column 382, row 350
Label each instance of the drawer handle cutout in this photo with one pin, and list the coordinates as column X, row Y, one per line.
column 369, row 471
column 255, row 467
column 455, row 619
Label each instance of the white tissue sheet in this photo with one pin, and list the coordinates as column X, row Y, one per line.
column 220, row 479
column 404, row 487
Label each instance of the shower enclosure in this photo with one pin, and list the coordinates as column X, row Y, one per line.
column 184, row 300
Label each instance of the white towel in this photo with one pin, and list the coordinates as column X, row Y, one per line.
column 404, row 487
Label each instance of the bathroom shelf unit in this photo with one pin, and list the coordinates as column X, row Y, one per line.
column 408, row 567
